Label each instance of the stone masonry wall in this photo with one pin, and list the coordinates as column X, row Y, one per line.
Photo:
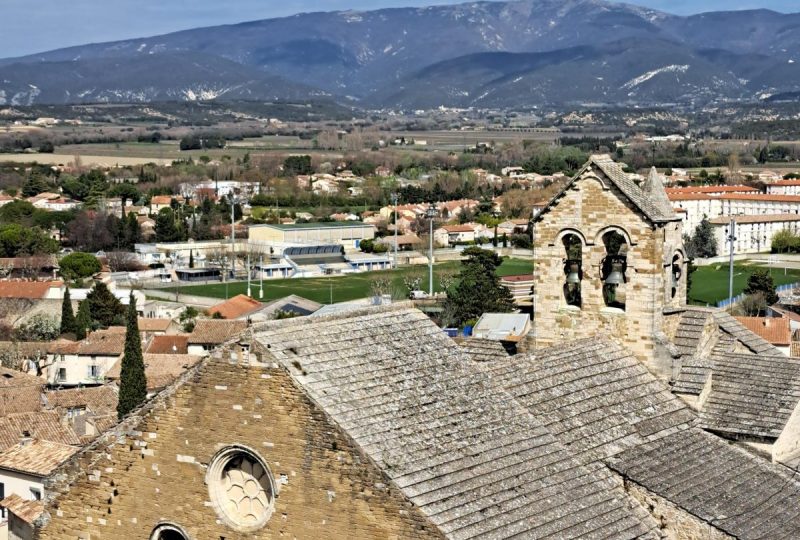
column 326, row 487
column 676, row 523
column 592, row 207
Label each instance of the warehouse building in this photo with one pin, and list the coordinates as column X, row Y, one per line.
column 348, row 234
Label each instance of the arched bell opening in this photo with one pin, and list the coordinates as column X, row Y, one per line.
column 613, row 270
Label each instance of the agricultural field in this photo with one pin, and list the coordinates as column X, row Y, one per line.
column 326, row 290
column 710, row 283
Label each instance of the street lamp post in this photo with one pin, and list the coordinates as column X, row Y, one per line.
column 731, row 239
column 394, row 202
column 431, row 214
column 261, row 277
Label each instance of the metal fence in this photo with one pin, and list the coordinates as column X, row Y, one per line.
column 736, row 299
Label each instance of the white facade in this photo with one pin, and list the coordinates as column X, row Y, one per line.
column 697, row 206
column 27, row 486
column 753, row 233
column 74, row 369
column 784, row 187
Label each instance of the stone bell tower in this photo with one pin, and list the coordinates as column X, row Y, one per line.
column 609, row 259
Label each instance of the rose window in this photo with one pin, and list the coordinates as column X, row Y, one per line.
column 242, row 488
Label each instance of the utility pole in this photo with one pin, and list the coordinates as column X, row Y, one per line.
column 233, row 237
column 731, row 239
column 261, row 276
column 248, row 274
column 394, row 202
column 431, row 214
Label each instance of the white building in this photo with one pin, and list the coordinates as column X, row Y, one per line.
column 753, row 233
column 23, row 469
column 86, row 362
column 694, row 206
column 784, row 187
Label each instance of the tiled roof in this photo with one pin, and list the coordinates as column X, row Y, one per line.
column 614, row 172
column 741, row 494
column 25, row 510
column 752, row 394
column 44, row 425
column 36, row 457
column 108, row 342
column 96, row 399
column 593, row 395
column 293, row 304
column 153, row 325
column 19, row 392
column 160, row 369
column 775, row 330
column 458, row 228
column 484, row 350
column 518, row 278
column 240, row 305
column 608, row 408
column 27, row 289
column 471, row 458
column 757, row 218
column 712, row 189
column 214, row 332
column 177, row 344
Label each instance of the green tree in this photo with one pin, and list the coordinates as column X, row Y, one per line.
column 132, row 380
column 16, row 240
column 83, row 321
column 67, row 315
column 294, row 165
column 761, row 281
column 126, row 192
column 191, row 258
column 34, row 185
column 104, row 307
column 133, row 231
column 79, row 265
column 479, row 290
column 167, row 229
column 702, row 243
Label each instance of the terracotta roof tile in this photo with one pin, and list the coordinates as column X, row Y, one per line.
column 27, row 289
column 763, row 218
column 239, row 306
column 108, row 342
column 775, row 330
column 177, row 344
column 19, row 392
column 160, row 369
column 153, row 325
column 214, row 332
column 38, row 458
column 27, row 511
column 45, row 425
column 711, row 189
column 96, row 399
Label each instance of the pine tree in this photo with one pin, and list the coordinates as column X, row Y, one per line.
column 132, row 380
column 104, row 307
column 83, row 321
column 67, row 315
column 479, row 289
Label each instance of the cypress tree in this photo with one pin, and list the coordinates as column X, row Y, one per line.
column 191, row 259
column 132, row 380
column 83, row 320
column 67, row 315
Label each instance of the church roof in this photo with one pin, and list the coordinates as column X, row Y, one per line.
column 467, row 454
column 655, row 211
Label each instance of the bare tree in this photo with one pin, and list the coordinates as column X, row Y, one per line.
column 380, row 285
column 122, row 261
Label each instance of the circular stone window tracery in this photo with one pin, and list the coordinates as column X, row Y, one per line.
column 242, row 488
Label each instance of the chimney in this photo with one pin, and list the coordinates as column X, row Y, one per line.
column 26, row 438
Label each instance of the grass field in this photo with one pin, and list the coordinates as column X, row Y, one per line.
column 710, row 283
column 342, row 288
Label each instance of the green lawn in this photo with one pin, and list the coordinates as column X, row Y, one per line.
column 342, row 288
column 710, row 283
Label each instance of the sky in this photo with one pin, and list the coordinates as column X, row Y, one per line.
column 41, row 25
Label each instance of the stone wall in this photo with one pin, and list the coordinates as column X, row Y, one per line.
column 591, row 207
column 676, row 523
column 156, row 472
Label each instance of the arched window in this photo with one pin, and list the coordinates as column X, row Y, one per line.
column 168, row 531
column 614, row 266
column 573, row 270
column 677, row 272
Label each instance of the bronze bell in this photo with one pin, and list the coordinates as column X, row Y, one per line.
column 615, row 277
column 573, row 272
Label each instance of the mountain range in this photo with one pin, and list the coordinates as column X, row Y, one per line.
column 487, row 54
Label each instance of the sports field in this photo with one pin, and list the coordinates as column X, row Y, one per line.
column 710, row 283
column 342, row 288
